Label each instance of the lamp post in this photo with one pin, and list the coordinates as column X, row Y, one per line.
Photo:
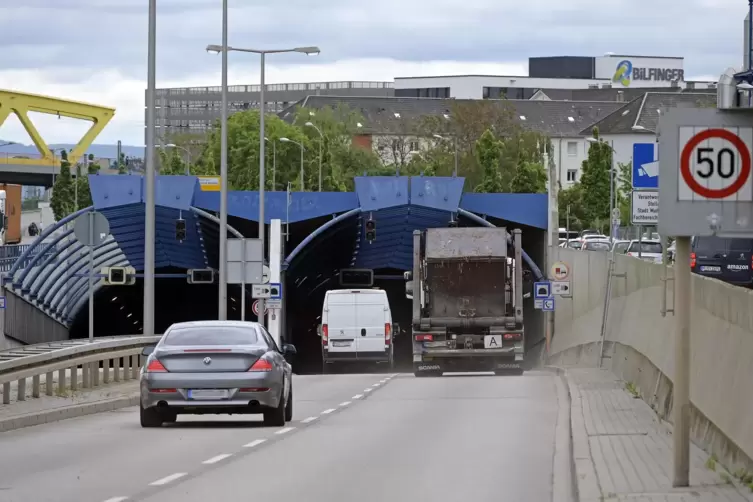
column 288, row 140
column 224, row 49
column 455, row 146
column 149, row 199
column 612, row 194
column 274, row 164
column 321, row 140
column 187, row 152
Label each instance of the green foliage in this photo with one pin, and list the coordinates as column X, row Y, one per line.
column 81, row 184
column 63, row 189
column 488, row 155
column 122, row 167
column 572, row 198
column 531, row 177
column 624, row 188
column 595, row 181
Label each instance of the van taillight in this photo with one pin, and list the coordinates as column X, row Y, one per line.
column 692, row 260
column 424, row 338
column 387, row 332
column 325, row 334
column 512, row 336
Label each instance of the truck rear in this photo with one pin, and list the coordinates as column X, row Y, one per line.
column 467, row 301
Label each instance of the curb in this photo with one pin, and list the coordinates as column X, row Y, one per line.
column 564, row 487
column 66, row 412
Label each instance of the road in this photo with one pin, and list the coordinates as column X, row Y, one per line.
column 354, row 437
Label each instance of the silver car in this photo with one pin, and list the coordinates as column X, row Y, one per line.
column 218, row 367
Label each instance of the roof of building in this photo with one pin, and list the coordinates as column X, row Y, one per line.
column 644, row 111
column 612, row 93
column 390, row 115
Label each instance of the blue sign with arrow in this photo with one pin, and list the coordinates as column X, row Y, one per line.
column 646, row 166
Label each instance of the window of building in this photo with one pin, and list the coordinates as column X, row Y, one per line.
column 572, row 148
column 572, row 175
column 413, row 146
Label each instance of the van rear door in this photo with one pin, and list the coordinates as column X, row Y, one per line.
column 736, row 267
column 372, row 310
column 342, row 326
column 709, row 256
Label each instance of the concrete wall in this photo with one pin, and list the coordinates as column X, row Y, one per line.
column 640, row 344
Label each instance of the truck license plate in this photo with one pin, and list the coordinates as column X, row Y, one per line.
column 493, row 341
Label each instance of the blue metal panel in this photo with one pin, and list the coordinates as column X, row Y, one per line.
column 523, row 208
column 175, row 191
column 303, row 205
column 436, row 192
column 57, row 301
column 111, row 191
column 379, row 192
column 52, row 277
column 43, row 273
column 46, row 246
column 645, row 176
column 77, row 266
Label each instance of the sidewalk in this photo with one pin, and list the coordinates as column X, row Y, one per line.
column 622, row 452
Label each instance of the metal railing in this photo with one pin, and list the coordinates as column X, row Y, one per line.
column 121, row 354
column 10, row 253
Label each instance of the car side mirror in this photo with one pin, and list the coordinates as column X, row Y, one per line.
column 289, row 349
column 147, row 351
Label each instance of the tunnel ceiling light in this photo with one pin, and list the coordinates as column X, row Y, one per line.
column 114, row 298
column 129, row 315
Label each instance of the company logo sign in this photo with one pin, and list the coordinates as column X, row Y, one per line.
column 625, row 73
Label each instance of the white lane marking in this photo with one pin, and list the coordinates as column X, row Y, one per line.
column 117, row 499
column 285, row 430
column 382, row 381
column 255, row 442
column 168, row 479
column 357, row 396
column 345, row 403
column 218, row 458
column 327, row 412
column 376, row 385
column 308, row 420
column 367, row 390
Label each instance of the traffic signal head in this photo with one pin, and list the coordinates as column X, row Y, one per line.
column 180, row 230
column 370, row 230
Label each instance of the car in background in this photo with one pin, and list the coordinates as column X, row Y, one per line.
column 598, row 237
column 596, row 245
column 574, row 244
column 727, row 259
column 216, row 367
column 620, row 246
column 649, row 250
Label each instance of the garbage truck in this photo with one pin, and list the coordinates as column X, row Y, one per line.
column 467, row 293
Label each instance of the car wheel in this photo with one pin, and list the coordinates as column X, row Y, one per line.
column 289, row 405
column 276, row 417
column 150, row 417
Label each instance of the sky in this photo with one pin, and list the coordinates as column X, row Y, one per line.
column 96, row 50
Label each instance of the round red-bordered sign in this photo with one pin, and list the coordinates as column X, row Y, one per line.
column 255, row 308
column 742, row 150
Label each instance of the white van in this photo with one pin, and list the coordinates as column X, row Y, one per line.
column 356, row 326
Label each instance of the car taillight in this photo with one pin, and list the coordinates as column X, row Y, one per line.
column 163, row 391
column 261, row 365
column 512, row 336
column 424, row 338
column 156, row 367
column 325, row 334
column 692, row 260
column 387, row 332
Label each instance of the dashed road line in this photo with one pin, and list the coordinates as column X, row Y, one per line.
column 168, row 479
column 357, row 396
column 368, row 390
column 217, row 458
column 376, row 385
column 285, row 430
column 308, row 420
column 327, row 412
column 116, row 499
column 345, row 403
column 255, row 442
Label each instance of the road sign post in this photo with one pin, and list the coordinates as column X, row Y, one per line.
column 91, row 229
column 244, row 266
column 706, row 190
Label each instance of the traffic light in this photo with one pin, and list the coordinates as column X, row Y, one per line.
column 370, row 230
column 180, row 230
column 201, row 276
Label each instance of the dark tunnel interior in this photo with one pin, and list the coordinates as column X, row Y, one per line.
column 119, row 309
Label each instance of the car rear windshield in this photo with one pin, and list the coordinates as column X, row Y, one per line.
column 621, row 247
column 709, row 244
column 596, row 246
column 211, row 335
column 645, row 247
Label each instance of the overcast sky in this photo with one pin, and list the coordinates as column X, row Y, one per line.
column 96, row 50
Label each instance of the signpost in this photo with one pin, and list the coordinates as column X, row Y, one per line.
column 244, row 266
column 255, row 308
column 91, row 229
column 706, row 190
column 560, row 271
column 645, row 166
column 645, row 207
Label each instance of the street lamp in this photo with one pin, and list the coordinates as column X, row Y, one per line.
column 455, row 146
column 321, row 140
column 188, row 154
column 274, row 163
column 149, row 181
column 611, row 184
column 287, row 140
column 224, row 49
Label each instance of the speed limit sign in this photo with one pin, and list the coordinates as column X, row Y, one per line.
column 715, row 164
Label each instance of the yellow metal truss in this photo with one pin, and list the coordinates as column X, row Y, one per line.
column 21, row 104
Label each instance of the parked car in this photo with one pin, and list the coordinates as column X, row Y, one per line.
column 649, row 250
column 596, row 245
column 620, row 246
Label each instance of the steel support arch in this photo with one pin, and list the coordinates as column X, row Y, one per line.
column 52, row 281
column 80, row 285
column 316, row 233
column 33, row 280
column 18, row 283
column 82, row 298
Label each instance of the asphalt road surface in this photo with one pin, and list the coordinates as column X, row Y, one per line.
column 353, row 438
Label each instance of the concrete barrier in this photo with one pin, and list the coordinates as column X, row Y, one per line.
column 639, row 345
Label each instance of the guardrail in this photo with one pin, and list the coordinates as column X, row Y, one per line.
column 121, row 354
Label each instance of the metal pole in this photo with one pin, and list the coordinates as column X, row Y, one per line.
column 455, row 145
column 640, row 241
column 149, row 182
column 321, row 140
column 262, row 181
column 78, row 174
column 611, row 193
column 274, row 165
column 302, row 188
column 681, row 388
column 750, row 46
column 222, row 307
column 243, row 279
column 188, row 165
column 91, row 276
column 553, row 237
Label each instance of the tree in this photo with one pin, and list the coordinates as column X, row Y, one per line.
column 531, row 177
column 572, row 198
column 63, row 190
column 488, row 154
column 82, row 191
column 122, row 166
column 595, row 181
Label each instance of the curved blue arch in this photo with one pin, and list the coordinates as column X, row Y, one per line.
column 79, row 286
column 79, row 264
column 316, row 233
column 69, row 311
column 478, row 219
column 52, row 280
column 18, row 283
column 45, row 233
column 49, row 261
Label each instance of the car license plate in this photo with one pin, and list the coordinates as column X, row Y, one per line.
column 208, row 394
column 493, row 341
column 706, row 268
column 341, row 344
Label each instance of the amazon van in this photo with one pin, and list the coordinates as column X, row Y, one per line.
column 356, row 327
column 729, row 260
